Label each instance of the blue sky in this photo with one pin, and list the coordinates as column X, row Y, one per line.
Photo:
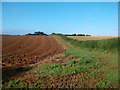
column 60, row 1
column 94, row 18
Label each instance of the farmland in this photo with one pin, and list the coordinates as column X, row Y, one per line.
column 84, row 38
column 24, row 50
column 57, row 61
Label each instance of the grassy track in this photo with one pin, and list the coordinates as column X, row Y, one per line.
column 109, row 59
column 109, row 45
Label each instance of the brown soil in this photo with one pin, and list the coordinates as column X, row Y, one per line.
column 21, row 53
column 78, row 80
column 24, row 50
column 15, row 73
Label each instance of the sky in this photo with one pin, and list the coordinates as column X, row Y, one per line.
column 60, row 0
column 93, row 18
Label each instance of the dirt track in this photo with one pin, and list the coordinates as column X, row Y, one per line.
column 25, row 50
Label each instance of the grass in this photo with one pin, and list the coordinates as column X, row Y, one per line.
column 110, row 45
column 85, row 63
column 110, row 64
column 107, row 51
column 15, row 83
column 20, row 84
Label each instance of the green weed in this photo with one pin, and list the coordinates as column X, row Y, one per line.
column 103, row 84
column 85, row 63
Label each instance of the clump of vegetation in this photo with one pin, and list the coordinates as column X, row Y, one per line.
column 20, row 84
column 37, row 33
column 85, row 63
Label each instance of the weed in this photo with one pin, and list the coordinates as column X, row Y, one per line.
column 81, row 85
column 85, row 63
column 103, row 84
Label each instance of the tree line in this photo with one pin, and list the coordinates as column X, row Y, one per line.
column 37, row 33
column 42, row 33
column 72, row 34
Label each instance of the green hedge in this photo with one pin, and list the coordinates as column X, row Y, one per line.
column 104, row 44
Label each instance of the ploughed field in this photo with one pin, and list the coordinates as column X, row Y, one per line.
column 41, row 62
column 26, row 50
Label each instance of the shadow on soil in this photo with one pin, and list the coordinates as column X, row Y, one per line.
column 12, row 72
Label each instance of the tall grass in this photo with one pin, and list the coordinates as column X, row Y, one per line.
column 110, row 45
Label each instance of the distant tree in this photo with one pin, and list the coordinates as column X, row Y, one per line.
column 73, row 34
column 58, row 33
column 88, row 35
column 68, row 35
column 81, row 35
column 53, row 33
column 29, row 34
column 39, row 33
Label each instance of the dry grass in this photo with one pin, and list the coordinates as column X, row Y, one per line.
column 83, row 38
